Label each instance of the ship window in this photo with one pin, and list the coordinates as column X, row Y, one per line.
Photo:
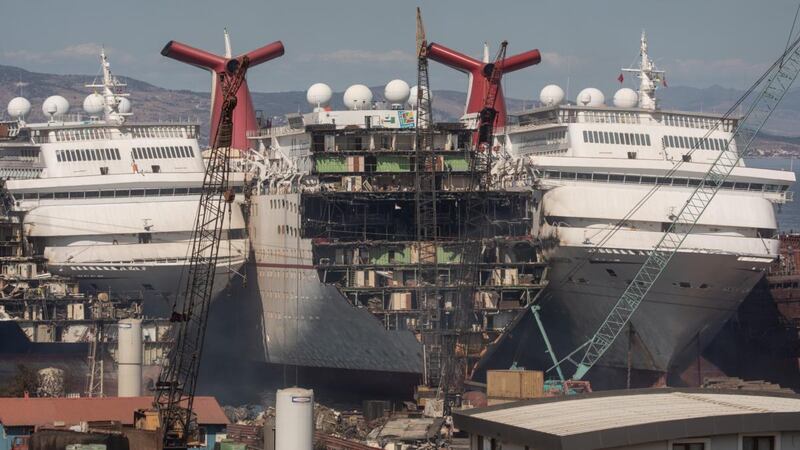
column 62, row 194
column 616, row 178
column 45, row 195
column 148, row 153
column 122, row 193
column 679, row 181
column 137, row 192
column 631, row 155
column 638, row 137
column 756, row 186
column 627, row 139
column 195, row 190
column 694, row 182
column 715, row 144
column 171, row 151
column 106, row 154
column 727, row 185
column 116, row 153
column 552, row 174
column 585, row 136
column 648, row 180
column 584, row 176
column 616, row 138
column 647, row 140
column 155, row 168
column 162, row 152
column 165, row 192
column 741, row 186
column 106, row 194
column 104, row 171
column 181, row 191
column 149, row 192
column 611, row 273
column 564, row 176
column 58, row 155
column 686, row 158
column 76, row 195
column 632, row 179
column 30, row 196
column 595, row 137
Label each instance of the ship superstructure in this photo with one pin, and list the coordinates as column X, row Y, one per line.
column 596, row 166
column 108, row 201
column 336, row 215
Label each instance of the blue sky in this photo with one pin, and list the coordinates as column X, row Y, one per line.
column 342, row 42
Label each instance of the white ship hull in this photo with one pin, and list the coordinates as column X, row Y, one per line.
column 683, row 311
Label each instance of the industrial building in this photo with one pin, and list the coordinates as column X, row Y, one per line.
column 20, row 417
column 641, row 419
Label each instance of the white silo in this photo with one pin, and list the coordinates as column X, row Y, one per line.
column 294, row 419
column 129, row 357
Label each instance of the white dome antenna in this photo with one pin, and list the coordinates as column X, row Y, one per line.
column 591, row 97
column 124, row 106
column 94, row 104
column 19, row 108
column 551, row 95
column 626, row 98
column 397, row 93
column 55, row 106
column 319, row 95
column 358, row 97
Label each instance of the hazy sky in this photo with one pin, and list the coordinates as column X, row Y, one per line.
column 342, row 42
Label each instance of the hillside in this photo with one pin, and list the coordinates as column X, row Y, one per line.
column 152, row 103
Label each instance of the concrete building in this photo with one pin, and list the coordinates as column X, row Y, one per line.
column 641, row 419
column 19, row 417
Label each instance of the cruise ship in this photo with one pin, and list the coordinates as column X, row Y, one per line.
column 111, row 202
column 596, row 166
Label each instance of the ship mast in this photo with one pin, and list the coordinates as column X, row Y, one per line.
column 649, row 77
column 111, row 99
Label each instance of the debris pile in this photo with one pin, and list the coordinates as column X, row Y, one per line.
column 744, row 385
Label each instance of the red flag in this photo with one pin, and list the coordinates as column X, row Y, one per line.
column 620, row 78
column 664, row 82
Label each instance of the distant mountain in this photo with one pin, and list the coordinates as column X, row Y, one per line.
column 152, row 103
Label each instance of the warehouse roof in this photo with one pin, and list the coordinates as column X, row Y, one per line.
column 616, row 418
column 73, row 411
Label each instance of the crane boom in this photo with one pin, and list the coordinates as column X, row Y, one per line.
column 177, row 382
column 777, row 81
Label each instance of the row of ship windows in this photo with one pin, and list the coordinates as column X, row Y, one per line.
column 611, row 137
column 82, row 135
column 181, row 151
column 94, row 154
column 636, row 179
column 118, row 193
column 693, row 122
column 283, row 204
column 693, row 142
column 286, row 229
column 158, row 132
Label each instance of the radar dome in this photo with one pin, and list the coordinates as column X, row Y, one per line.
column 19, row 107
column 124, row 106
column 397, row 92
column 626, row 98
column 319, row 95
column 551, row 95
column 412, row 98
column 55, row 106
column 358, row 97
column 591, row 97
column 94, row 104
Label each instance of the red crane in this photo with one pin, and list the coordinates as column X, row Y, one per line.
column 488, row 115
column 176, row 385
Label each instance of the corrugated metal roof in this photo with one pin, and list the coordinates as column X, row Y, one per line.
column 563, row 418
column 72, row 411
